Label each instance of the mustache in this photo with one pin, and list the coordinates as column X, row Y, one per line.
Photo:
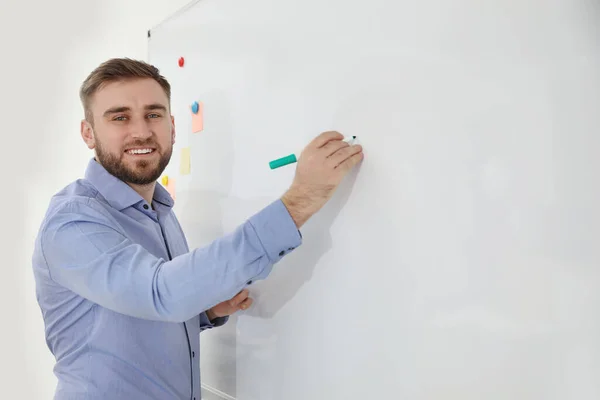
column 140, row 143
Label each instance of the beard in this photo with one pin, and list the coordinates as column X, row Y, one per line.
column 145, row 172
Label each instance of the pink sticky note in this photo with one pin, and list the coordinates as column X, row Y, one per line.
column 197, row 119
column 171, row 187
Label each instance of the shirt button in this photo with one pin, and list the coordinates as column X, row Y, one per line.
column 249, row 282
column 146, row 206
column 281, row 253
column 193, row 354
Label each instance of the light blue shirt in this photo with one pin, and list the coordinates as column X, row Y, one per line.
column 123, row 298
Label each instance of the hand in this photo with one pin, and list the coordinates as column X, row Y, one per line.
column 321, row 167
column 241, row 301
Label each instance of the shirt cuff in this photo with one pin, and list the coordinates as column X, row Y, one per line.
column 276, row 231
column 206, row 323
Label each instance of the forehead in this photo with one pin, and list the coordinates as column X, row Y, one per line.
column 133, row 93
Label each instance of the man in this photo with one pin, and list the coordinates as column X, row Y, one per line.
column 122, row 297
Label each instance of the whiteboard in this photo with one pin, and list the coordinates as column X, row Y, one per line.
column 460, row 260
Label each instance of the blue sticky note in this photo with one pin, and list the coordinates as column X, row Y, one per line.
column 195, row 107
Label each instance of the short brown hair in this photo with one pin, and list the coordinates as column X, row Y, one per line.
column 118, row 69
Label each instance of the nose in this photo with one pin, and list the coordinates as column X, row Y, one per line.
column 140, row 129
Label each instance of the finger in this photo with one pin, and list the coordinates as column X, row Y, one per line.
column 324, row 138
column 351, row 162
column 332, row 146
column 246, row 304
column 239, row 298
column 343, row 154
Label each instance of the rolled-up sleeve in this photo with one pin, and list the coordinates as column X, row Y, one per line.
column 86, row 252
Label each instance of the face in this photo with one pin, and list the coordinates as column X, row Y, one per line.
column 133, row 132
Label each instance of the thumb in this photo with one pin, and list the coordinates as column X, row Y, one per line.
column 240, row 297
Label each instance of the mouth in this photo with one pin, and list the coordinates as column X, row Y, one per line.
column 140, row 152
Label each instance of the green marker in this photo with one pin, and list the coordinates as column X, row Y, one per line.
column 280, row 162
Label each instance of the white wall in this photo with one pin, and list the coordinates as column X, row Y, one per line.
column 46, row 50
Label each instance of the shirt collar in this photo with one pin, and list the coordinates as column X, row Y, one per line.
column 119, row 194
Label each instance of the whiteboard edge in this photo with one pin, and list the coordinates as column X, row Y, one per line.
column 183, row 9
column 217, row 392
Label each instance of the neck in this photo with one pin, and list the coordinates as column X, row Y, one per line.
column 146, row 191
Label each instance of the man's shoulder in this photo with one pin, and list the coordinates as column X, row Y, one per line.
column 78, row 197
column 79, row 201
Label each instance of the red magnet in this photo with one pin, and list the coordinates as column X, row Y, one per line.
column 181, row 61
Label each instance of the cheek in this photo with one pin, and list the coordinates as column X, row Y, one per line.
column 111, row 141
column 166, row 137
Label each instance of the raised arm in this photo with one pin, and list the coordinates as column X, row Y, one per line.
column 87, row 255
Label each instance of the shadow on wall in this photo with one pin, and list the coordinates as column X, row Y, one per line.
column 298, row 268
column 257, row 336
column 219, row 348
column 203, row 217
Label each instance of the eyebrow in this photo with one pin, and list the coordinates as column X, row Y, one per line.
column 149, row 107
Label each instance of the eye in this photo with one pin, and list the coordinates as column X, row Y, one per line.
column 154, row 115
column 120, row 118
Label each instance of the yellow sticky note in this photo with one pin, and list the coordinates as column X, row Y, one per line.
column 198, row 119
column 184, row 167
column 171, row 187
column 165, row 180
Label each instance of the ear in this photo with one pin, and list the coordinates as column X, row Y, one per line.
column 173, row 134
column 87, row 133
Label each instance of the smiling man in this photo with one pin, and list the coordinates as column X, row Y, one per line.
column 122, row 296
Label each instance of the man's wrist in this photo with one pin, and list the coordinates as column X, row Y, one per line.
column 298, row 205
column 211, row 315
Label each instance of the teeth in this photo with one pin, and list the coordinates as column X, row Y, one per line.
column 140, row 151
